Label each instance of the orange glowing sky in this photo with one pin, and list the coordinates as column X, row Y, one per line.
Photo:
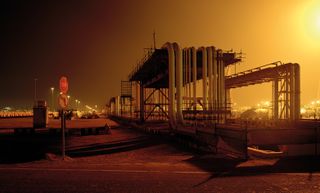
column 97, row 43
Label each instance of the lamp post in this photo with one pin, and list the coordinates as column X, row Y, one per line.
column 52, row 99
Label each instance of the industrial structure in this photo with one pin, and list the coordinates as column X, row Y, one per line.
column 189, row 89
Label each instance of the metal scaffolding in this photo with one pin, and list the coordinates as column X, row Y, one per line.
column 285, row 80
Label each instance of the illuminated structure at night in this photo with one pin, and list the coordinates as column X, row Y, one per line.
column 188, row 88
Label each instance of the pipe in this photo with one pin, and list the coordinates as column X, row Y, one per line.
column 189, row 75
column 194, row 75
column 209, row 51
column 178, row 57
column 185, row 73
column 223, row 92
column 214, row 82
column 221, row 82
column 171, row 66
column 204, row 76
column 218, row 104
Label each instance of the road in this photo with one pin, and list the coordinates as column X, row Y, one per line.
column 131, row 161
column 140, row 181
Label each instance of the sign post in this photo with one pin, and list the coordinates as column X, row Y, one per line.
column 63, row 102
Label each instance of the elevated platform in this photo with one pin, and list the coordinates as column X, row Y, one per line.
column 261, row 74
column 153, row 70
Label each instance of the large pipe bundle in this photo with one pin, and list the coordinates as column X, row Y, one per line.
column 182, row 65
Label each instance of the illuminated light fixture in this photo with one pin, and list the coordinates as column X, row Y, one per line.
column 303, row 110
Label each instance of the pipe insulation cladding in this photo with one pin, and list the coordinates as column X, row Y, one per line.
column 183, row 72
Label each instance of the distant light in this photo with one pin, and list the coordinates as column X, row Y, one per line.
column 52, row 89
column 303, row 110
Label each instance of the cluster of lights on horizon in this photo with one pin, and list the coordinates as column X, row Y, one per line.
column 77, row 102
column 311, row 110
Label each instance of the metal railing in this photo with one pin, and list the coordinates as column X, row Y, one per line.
column 140, row 63
column 266, row 66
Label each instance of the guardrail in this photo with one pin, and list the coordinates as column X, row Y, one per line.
column 140, row 63
column 271, row 65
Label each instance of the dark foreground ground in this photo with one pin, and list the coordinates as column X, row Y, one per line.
column 131, row 161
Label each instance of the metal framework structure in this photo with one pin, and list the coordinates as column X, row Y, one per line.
column 285, row 80
column 168, row 79
column 126, row 98
column 188, row 88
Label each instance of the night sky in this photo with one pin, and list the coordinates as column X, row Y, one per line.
column 78, row 39
column 97, row 43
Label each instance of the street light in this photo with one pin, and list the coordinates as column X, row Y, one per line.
column 52, row 89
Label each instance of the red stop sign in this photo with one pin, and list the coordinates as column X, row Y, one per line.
column 64, row 85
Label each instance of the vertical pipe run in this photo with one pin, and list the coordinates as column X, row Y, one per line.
column 218, row 105
column 186, row 70
column 183, row 71
column 194, row 75
column 189, row 76
column 178, row 57
column 215, row 85
column 209, row 51
column 171, row 91
column 223, row 89
column 204, row 77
